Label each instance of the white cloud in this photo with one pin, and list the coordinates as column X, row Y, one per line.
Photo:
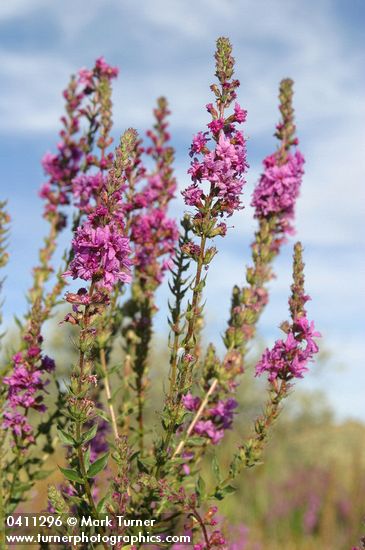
column 268, row 44
column 18, row 8
column 30, row 97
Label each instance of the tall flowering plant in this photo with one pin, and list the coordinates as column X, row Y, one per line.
column 124, row 244
column 85, row 130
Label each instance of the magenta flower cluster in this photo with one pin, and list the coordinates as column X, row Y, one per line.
column 60, row 168
column 101, row 69
column 86, row 187
column 101, row 254
column 153, row 233
column 278, row 188
column 222, row 167
column 289, row 358
column 73, row 150
column 154, row 236
column 217, row 418
column 26, row 387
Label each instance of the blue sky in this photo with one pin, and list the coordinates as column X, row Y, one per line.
column 166, row 47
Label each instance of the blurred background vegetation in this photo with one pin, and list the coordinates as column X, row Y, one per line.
column 307, row 494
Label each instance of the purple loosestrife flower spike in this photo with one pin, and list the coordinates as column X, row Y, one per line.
column 87, row 98
column 278, row 188
column 101, row 248
column 101, row 253
column 274, row 201
column 285, row 361
column 101, row 257
column 223, row 164
column 26, row 384
column 26, row 388
column 217, row 170
column 288, row 358
column 153, row 234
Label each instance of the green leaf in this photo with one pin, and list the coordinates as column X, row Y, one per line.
column 102, row 414
column 200, row 487
column 90, row 434
column 100, row 505
column 65, row 437
column 42, row 474
column 179, row 460
column 216, row 469
column 87, row 458
column 98, row 465
column 71, row 475
column 75, row 500
column 229, row 489
column 197, row 441
column 148, row 460
column 133, row 456
column 145, row 464
column 218, row 494
column 18, row 322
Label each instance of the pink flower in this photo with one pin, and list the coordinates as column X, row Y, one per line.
column 216, row 125
column 101, row 253
column 19, row 425
column 190, row 402
column 289, row 358
column 85, row 76
column 33, row 351
column 223, row 412
column 216, row 420
column 239, row 114
column 199, row 142
column 193, row 195
column 26, row 388
column 223, row 168
column 278, row 188
column 102, row 68
column 223, row 165
column 24, row 385
column 209, row 429
column 153, row 235
column 64, row 167
column 86, row 187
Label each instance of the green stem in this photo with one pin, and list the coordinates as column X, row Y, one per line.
column 187, row 347
column 79, row 423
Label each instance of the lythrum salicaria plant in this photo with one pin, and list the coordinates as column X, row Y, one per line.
column 124, row 245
